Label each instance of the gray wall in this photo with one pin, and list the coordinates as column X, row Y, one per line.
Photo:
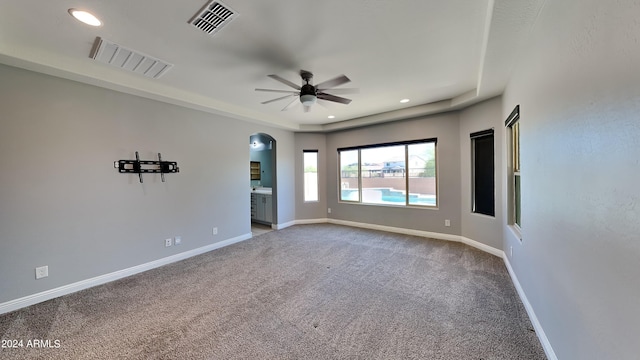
column 478, row 227
column 445, row 127
column 63, row 204
column 578, row 85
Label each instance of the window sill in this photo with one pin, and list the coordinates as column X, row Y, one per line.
column 390, row 205
column 492, row 217
column 516, row 231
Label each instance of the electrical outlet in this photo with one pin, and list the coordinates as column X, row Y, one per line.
column 447, row 222
column 177, row 240
column 168, row 242
column 42, row 272
column 215, row 231
column 329, row 210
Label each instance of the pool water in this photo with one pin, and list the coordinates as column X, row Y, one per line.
column 391, row 196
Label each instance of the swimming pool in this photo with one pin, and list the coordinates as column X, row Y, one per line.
column 387, row 196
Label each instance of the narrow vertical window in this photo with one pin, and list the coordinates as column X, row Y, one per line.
column 310, row 175
column 513, row 124
column 349, row 175
column 482, row 173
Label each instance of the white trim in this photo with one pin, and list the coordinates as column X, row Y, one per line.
column 103, row 279
column 516, row 231
column 546, row 345
column 481, row 246
column 283, row 225
column 311, row 221
column 428, row 234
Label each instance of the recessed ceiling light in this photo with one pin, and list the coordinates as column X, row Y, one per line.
column 331, row 117
column 85, row 17
column 404, row 101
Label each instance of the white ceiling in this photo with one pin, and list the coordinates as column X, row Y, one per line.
column 443, row 55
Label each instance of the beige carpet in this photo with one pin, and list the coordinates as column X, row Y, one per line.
column 305, row 292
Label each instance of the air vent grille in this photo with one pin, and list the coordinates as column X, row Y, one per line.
column 212, row 17
column 119, row 56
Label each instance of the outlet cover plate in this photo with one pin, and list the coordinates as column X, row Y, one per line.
column 42, row 272
column 168, row 242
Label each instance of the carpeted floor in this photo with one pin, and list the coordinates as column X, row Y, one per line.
column 306, row 292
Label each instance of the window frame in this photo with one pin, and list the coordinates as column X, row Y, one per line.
column 304, row 176
column 512, row 123
column 406, row 145
column 484, row 210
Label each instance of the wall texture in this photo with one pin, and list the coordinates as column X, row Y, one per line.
column 483, row 116
column 64, row 205
column 577, row 84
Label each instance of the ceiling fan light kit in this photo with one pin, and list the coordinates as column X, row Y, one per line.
column 308, row 99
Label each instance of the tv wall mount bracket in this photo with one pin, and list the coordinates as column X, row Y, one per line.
column 140, row 167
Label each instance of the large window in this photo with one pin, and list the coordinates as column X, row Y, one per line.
column 401, row 173
column 482, row 173
column 310, row 175
column 513, row 124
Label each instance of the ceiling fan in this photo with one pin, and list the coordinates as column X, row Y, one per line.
column 308, row 94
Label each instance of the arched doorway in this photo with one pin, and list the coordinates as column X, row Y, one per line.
column 263, row 180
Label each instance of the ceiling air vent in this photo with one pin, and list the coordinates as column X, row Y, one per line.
column 212, row 17
column 113, row 54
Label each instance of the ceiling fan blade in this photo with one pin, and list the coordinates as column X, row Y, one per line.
column 333, row 98
column 339, row 80
column 276, row 99
column 284, row 81
column 295, row 99
column 278, row 91
column 340, row 91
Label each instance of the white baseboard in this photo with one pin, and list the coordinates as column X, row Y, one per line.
column 546, row 345
column 481, row 246
column 283, row 225
column 103, row 279
column 311, row 221
column 422, row 233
